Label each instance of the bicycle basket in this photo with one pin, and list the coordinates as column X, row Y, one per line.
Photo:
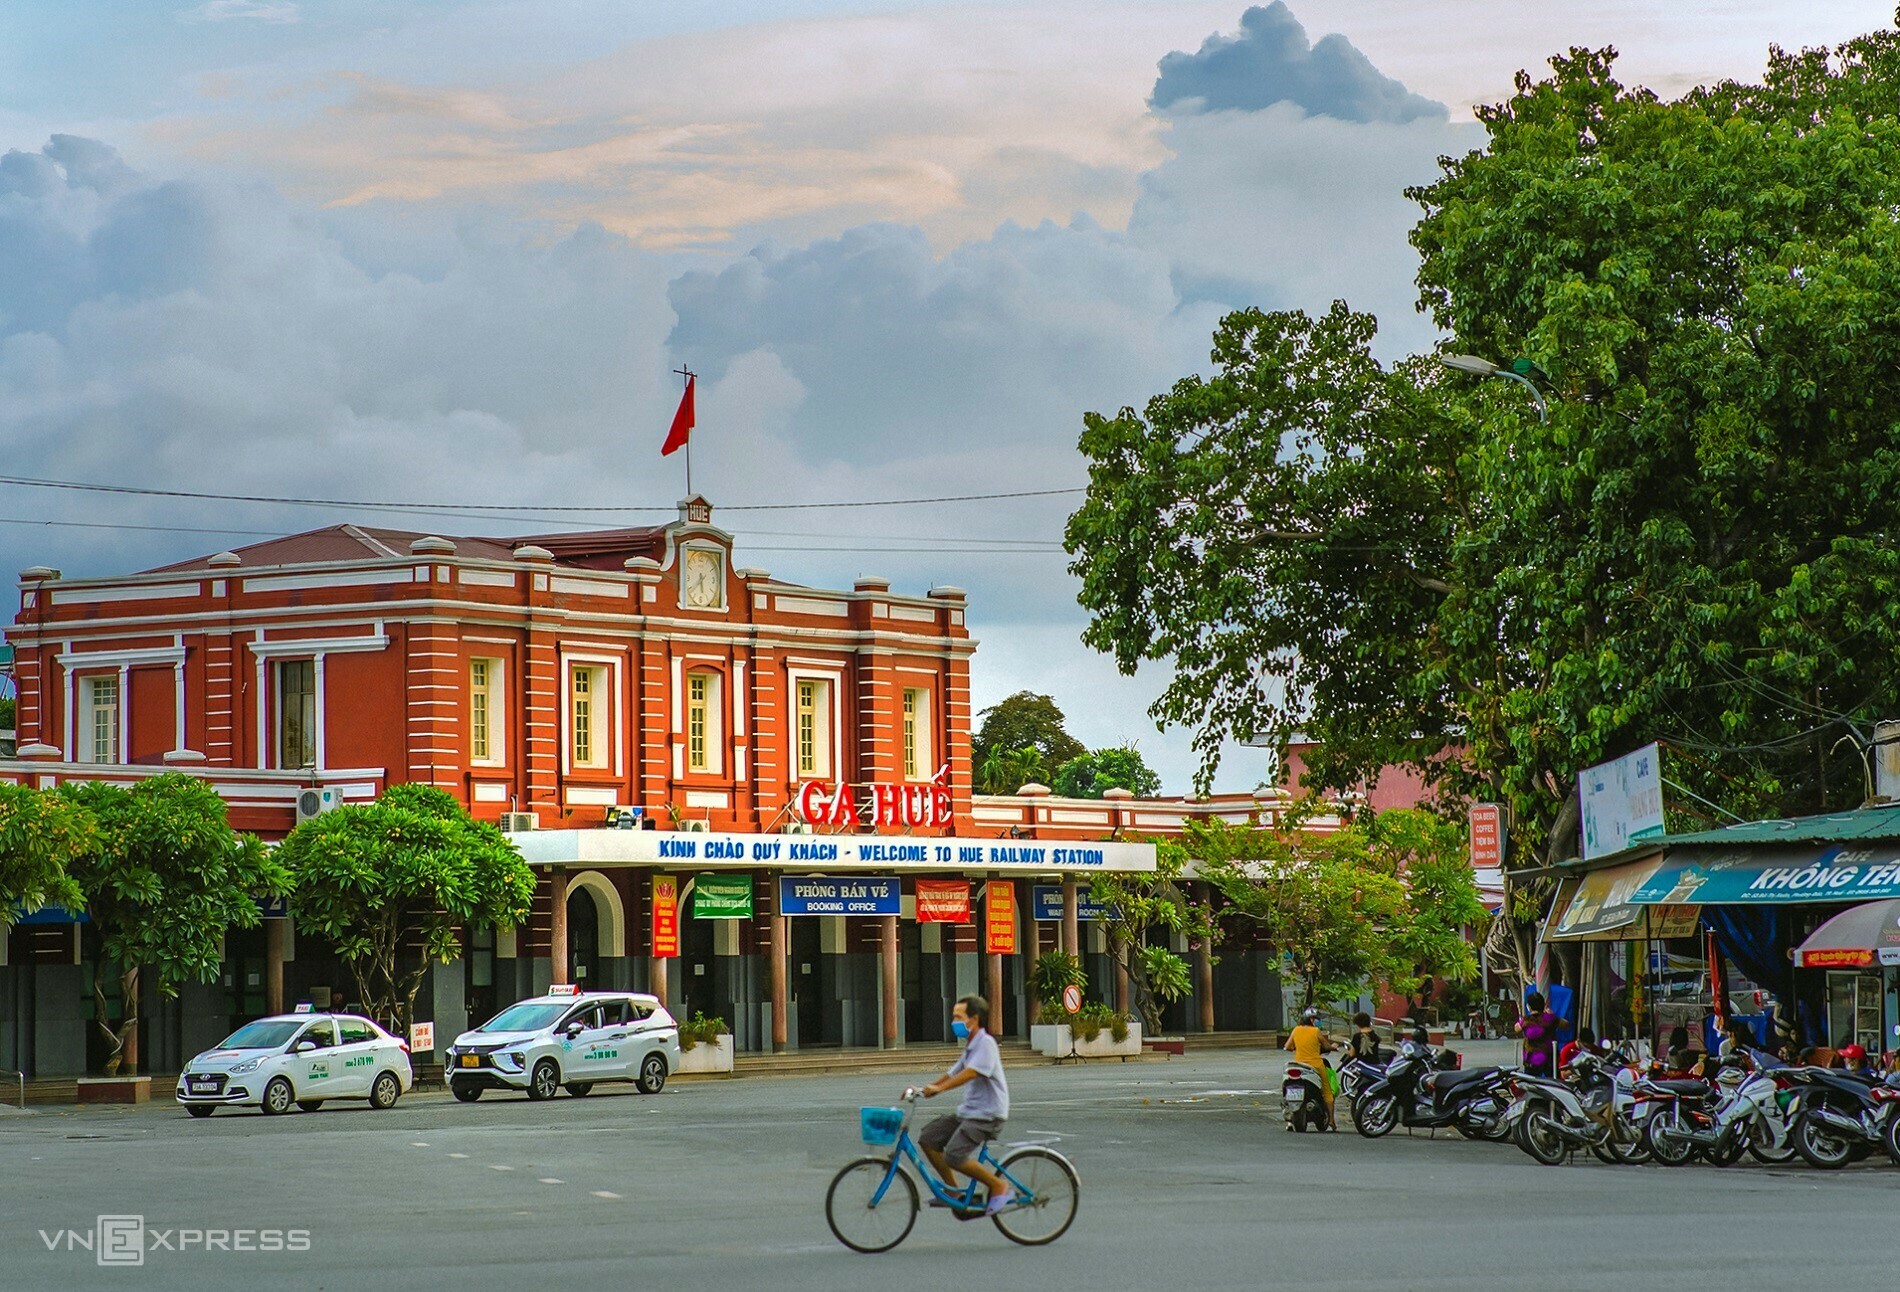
column 880, row 1125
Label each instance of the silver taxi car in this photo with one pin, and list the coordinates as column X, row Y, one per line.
column 567, row 1039
column 305, row 1059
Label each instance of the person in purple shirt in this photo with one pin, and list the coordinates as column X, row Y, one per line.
column 1539, row 1029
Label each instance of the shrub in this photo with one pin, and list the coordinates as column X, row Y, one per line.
column 702, row 1028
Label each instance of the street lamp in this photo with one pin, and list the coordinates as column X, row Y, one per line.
column 1478, row 367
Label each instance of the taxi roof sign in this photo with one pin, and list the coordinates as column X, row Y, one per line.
column 565, row 989
column 304, row 1008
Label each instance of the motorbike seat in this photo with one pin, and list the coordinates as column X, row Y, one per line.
column 1678, row 1086
column 1451, row 1080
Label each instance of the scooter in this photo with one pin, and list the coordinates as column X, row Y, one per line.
column 1837, row 1119
column 1303, row 1097
column 1415, row 1093
column 1551, row 1119
column 1746, row 1116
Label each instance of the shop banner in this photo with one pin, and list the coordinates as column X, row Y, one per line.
column 840, row 895
column 722, row 897
column 1487, row 836
column 1046, row 901
column 1622, row 802
column 999, row 918
column 943, row 901
column 1777, row 875
column 666, row 917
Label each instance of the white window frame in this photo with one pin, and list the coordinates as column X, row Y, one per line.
column 716, row 723
column 834, row 682
column 916, row 761
column 316, row 714
column 600, row 715
column 114, row 744
column 494, row 706
column 824, row 741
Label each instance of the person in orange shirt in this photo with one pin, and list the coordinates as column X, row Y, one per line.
column 1309, row 1046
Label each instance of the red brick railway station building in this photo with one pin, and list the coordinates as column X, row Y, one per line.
column 569, row 687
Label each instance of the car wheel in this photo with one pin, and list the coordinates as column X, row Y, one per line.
column 384, row 1092
column 278, row 1097
column 466, row 1093
column 652, row 1074
column 545, row 1081
column 310, row 1105
column 579, row 1089
column 201, row 1110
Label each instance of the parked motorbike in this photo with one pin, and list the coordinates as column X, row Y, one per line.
column 1303, row 1098
column 1740, row 1112
column 1414, row 1091
column 1837, row 1119
column 1550, row 1119
column 1354, row 1075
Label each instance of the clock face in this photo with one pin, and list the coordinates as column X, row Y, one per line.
column 703, row 579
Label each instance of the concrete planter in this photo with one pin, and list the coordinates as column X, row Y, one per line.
column 1042, row 1037
column 708, row 1056
column 1104, row 1046
column 115, row 1090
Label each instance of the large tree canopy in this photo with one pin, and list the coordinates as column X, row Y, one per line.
column 1410, row 567
column 403, row 875
column 1022, row 721
column 41, row 835
column 165, row 878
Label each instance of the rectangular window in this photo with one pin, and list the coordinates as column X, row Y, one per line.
column 484, row 678
column 698, row 722
column 813, row 727
column 587, row 733
column 297, row 713
column 917, row 734
column 100, row 707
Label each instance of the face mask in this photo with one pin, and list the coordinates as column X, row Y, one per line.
column 960, row 1028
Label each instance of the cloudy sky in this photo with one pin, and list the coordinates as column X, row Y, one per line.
column 449, row 251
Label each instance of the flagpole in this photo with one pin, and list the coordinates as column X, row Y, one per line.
column 688, row 374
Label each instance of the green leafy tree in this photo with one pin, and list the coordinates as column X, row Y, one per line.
column 410, row 870
column 41, row 837
column 1024, row 720
column 1411, row 567
column 1005, row 771
column 1141, row 906
column 164, row 879
column 1090, row 775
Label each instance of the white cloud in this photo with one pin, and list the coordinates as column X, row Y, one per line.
column 272, row 11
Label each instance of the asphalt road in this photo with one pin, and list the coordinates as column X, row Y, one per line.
column 1188, row 1182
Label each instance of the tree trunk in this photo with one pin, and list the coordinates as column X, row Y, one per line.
column 104, row 1023
column 129, row 1026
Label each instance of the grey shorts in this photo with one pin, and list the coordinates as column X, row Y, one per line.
column 959, row 1138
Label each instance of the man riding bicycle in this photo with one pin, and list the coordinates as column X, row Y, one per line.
column 952, row 1143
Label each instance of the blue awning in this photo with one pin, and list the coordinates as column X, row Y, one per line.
column 1775, row 876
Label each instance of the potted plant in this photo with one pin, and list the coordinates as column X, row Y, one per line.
column 1101, row 1033
column 705, row 1044
column 1052, row 972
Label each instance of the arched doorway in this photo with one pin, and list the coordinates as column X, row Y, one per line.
column 583, row 938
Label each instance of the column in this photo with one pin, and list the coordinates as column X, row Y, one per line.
column 273, row 966
column 993, row 988
column 1071, row 911
column 656, row 979
column 781, row 949
column 1121, row 977
column 557, row 922
column 887, row 938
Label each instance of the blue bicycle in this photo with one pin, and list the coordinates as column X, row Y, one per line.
column 872, row 1203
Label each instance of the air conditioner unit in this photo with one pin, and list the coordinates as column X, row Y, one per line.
column 796, row 827
column 517, row 821
column 312, row 804
column 696, row 827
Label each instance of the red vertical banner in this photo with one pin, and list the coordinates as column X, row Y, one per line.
column 943, row 901
column 666, row 917
column 1487, row 835
column 999, row 923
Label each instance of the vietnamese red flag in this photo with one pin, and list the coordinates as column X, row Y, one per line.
column 682, row 422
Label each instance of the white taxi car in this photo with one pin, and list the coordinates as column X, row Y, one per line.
column 567, row 1038
column 301, row 1059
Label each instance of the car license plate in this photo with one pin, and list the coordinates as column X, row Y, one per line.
column 1295, row 1094
column 471, row 1060
column 202, row 1085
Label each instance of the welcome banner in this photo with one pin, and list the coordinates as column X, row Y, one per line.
column 722, row 897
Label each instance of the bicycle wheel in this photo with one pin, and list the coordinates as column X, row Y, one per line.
column 859, row 1218
column 1053, row 1190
